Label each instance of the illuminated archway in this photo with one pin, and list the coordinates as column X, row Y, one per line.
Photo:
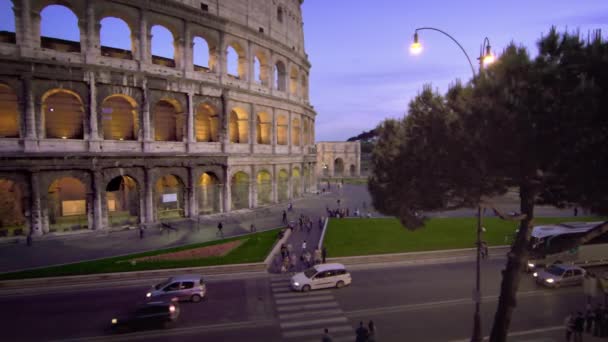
column 296, row 182
column 207, row 123
column 209, row 193
column 119, row 118
column 282, row 129
column 293, row 81
column 239, row 190
column 264, row 187
column 9, row 113
column 238, row 128
column 63, row 115
column 295, row 132
column 12, row 209
column 169, row 196
column 263, row 128
column 168, row 121
column 67, row 205
column 122, row 200
column 283, row 185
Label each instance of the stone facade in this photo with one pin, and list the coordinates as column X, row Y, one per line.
column 97, row 137
column 338, row 159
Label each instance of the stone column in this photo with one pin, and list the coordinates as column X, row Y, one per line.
column 358, row 161
column 91, row 49
column 190, row 138
column 227, row 193
column 144, row 38
column 192, row 198
column 250, row 65
column 289, row 137
column 149, row 196
column 271, row 68
column 36, row 223
column 274, row 130
column 29, row 115
column 253, row 188
column 301, row 134
column 253, row 125
column 221, row 60
column 98, row 192
column 145, row 112
column 94, row 138
column 20, row 22
column 225, row 134
column 275, row 177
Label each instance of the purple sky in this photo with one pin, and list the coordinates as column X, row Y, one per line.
column 361, row 71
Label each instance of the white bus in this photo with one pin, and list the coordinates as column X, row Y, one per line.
column 554, row 244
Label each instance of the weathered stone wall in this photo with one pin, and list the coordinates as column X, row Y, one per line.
column 35, row 69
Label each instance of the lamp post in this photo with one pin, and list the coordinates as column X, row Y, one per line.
column 485, row 58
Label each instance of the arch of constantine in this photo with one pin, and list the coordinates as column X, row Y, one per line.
column 93, row 136
column 338, row 159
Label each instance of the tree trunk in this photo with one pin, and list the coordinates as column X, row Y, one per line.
column 516, row 260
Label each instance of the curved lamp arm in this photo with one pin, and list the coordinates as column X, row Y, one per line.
column 455, row 41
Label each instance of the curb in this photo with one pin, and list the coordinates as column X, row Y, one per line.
column 322, row 238
column 277, row 246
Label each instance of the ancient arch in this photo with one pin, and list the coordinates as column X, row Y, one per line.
column 338, row 167
column 115, row 38
column 352, row 170
column 120, row 119
column 59, row 29
column 168, row 121
column 261, row 69
column 12, row 208
column 280, row 76
column 122, row 201
column 9, row 34
column 9, row 112
column 264, row 187
column 67, row 205
column 283, row 185
column 205, row 48
column 238, row 126
column 236, row 60
column 207, row 123
column 295, row 132
column 62, row 114
column 239, row 190
column 293, row 80
column 209, row 193
column 304, row 87
column 169, row 197
column 296, row 182
column 163, row 46
column 201, row 54
column 264, row 128
column 282, row 129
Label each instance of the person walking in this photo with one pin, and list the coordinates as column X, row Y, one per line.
column 284, row 220
column 28, row 240
column 362, row 333
column 371, row 337
column 579, row 326
column 303, row 245
column 326, row 336
column 283, row 251
column 324, row 254
column 220, row 226
column 252, row 228
column 141, row 232
column 569, row 326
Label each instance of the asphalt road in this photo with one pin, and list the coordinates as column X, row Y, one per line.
column 407, row 303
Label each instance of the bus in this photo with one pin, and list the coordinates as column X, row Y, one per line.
column 556, row 244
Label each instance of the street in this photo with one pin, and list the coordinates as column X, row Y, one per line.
column 407, row 303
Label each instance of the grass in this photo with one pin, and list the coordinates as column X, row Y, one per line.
column 356, row 236
column 346, row 180
column 254, row 249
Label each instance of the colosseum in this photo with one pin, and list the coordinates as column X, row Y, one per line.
column 97, row 137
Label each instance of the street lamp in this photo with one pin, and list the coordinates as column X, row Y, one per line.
column 485, row 58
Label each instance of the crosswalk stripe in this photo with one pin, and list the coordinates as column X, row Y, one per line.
column 302, row 307
column 304, row 300
column 313, row 322
column 300, row 294
column 312, row 314
column 308, row 332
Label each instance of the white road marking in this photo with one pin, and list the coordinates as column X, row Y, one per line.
column 304, row 300
column 311, row 314
column 307, row 307
column 300, row 295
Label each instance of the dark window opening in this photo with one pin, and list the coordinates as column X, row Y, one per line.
column 205, row 7
column 261, row 29
column 280, row 14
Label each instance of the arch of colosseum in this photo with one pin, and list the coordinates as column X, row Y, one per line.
column 93, row 136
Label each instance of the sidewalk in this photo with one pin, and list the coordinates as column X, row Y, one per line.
column 54, row 250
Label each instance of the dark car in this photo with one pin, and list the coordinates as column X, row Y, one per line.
column 158, row 314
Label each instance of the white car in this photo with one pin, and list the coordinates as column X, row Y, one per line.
column 183, row 287
column 558, row 275
column 320, row 277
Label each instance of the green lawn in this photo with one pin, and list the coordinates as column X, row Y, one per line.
column 254, row 249
column 357, row 236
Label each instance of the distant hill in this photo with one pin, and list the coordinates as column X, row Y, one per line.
column 365, row 136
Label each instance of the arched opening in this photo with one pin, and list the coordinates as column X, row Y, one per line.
column 163, row 48
column 264, row 128
column 63, row 115
column 338, row 167
column 238, row 126
column 264, row 187
column 209, row 194
column 119, row 118
column 9, row 113
column 283, row 186
column 306, row 178
column 293, row 81
column 7, row 25
column 168, row 121
column 239, row 191
column 207, row 123
column 304, row 87
column 115, row 38
column 280, row 76
column 282, row 129
column 295, row 132
column 257, row 70
column 59, row 29
column 353, row 170
column 261, row 69
column 306, row 133
column 296, row 182
column 169, row 197
column 122, row 200
column 325, row 170
column 280, row 14
column 67, row 205
column 201, row 54
column 232, row 62
column 12, row 209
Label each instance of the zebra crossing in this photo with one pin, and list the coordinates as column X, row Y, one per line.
column 303, row 316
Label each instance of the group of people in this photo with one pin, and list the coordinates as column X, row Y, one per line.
column 289, row 259
column 345, row 212
column 594, row 321
column 363, row 333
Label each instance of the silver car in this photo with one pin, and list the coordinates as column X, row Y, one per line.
column 184, row 287
column 558, row 275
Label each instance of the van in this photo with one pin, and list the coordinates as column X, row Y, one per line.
column 320, row 277
column 183, row 287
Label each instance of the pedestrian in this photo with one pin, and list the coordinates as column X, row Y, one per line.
column 321, row 223
column 28, row 240
column 309, row 225
column 317, row 256
column 307, row 259
column 289, row 249
column 347, row 212
column 220, row 226
column 303, row 245
column 604, row 324
column 575, row 211
column 141, row 232
column 323, row 254
column 293, row 262
column 371, row 337
column 579, row 326
column 589, row 317
column 326, row 336
column 569, row 325
column 283, row 251
column 290, row 207
column 252, row 228
column 284, row 220
column 362, row 333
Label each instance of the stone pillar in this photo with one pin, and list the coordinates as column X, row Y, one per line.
column 221, row 60
column 225, row 134
column 271, row 68
column 289, row 137
column 145, row 112
column 29, row 115
column 189, row 53
column 36, row 223
column 358, row 160
column 94, row 138
column 190, row 138
column 91, row 49
column 253, row 125
column 251, row 65
column 20, row 29
column 301, row 134
column 98, row 192
column 253, row 188
column 144, row 38
column 192, row 198
column 227, row 193
column 275, row 177
column 149, row 196
column 274, row 130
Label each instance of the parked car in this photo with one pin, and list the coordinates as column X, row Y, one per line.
column 558, row 275
column 321, row 276
column 183, row 287
column 152, row 314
